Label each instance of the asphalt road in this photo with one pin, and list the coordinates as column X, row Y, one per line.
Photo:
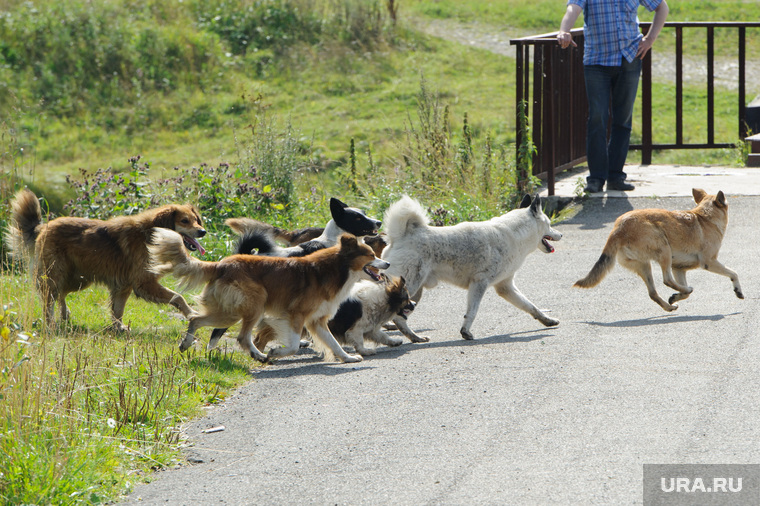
column 521, row 415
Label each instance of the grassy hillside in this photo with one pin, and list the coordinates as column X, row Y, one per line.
column 90, row 84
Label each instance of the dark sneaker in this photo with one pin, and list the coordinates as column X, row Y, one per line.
column 620, row 186
column 593, row 186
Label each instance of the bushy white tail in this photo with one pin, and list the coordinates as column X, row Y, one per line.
column 403, row 216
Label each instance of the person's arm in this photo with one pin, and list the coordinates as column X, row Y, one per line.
column 568, row 21
column 660, row 15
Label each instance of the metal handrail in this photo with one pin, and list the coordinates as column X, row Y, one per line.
column 558, row 110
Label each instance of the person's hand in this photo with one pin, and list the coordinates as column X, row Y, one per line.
column 565, row 39
column 644, row 46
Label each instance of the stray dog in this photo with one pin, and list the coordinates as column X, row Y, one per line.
column 677, row 240
column 470, row 255
column 371, row 304
column 68, row 254
column 294, row 292
column 261, row 240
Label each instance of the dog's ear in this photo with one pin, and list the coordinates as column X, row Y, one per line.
column 348, row 241
column 402, row 280
column 698, row 194
column 525, row 201
column 535, row 206
column 336, row 208
column 720, row 199
column 165, row 217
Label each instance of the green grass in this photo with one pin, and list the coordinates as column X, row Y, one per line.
column 87, row 413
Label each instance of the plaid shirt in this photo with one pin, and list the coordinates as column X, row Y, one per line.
column 611, row 29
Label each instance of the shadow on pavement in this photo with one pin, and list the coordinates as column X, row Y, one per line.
column 660, row 320
column 309, row 362
column 595, row 213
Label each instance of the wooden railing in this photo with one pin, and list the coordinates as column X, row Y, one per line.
column 558, row 109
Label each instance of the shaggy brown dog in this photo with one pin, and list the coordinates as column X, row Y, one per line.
column 293, row 292
column 68, row 254
column 677, row 240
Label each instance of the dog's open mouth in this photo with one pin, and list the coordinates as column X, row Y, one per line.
column 404, row 312
column 547, row 245
column 192, row 244
column 372, row 273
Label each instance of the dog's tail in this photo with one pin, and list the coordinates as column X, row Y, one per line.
column 257, row 242
column 403, row 217
column 25, row 226
column 242, row 226
column 168, row 255
column 602, row 266
column 296, row 237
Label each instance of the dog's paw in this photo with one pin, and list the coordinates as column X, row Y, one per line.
column 186, row 343
column 394, row 341
column 670, row 307
column 257, row 355
column 466, row 334
column 549, row 322
column 350, row 359
column 366, row 351
column 117, row 327
column 304, row 343
column 417, row 339
column 739, row 294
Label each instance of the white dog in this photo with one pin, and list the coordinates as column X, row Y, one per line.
column 470, row 255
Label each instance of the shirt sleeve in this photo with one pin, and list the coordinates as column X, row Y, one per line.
column 649, row 5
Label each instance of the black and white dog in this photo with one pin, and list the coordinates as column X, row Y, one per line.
column 260, row 240
column 360, row 317
column 257, row 238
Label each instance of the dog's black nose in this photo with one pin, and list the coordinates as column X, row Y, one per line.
column 201, row 233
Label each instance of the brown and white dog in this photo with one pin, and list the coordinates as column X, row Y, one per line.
column 677, row 240
column 68, row 254
column 294, row 292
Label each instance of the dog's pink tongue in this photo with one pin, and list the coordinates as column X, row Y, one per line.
column 196, row 244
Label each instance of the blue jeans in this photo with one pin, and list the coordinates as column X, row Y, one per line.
column 620, row 84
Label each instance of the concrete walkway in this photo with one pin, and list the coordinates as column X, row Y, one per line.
column 666, row 181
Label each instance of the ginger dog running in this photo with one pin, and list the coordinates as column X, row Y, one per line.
column 677, row 240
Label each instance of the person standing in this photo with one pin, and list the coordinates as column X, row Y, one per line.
column 613, row 49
